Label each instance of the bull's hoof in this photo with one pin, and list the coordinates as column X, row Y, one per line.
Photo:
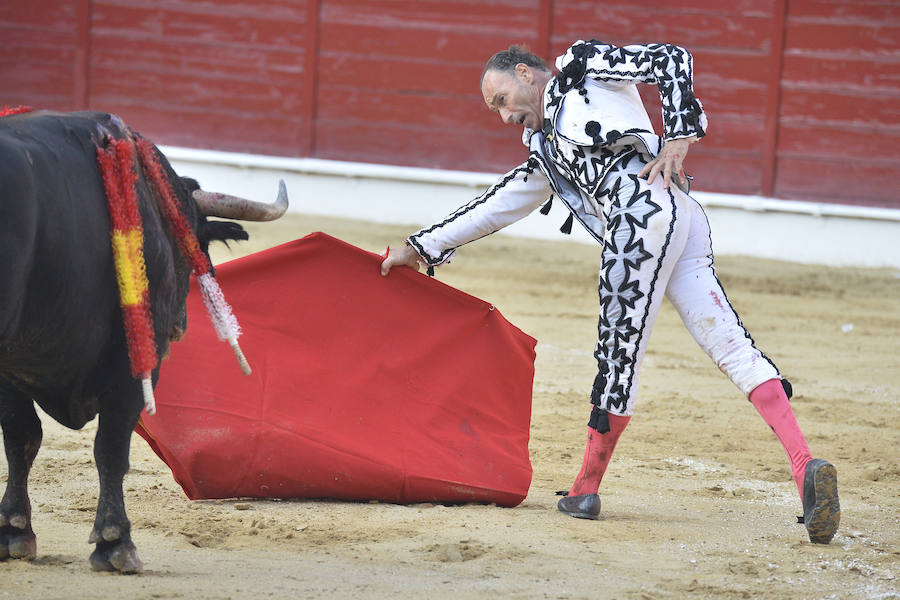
column 17, row 543
column 116, row 556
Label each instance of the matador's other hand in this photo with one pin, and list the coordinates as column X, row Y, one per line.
column 402, row 256
column 670, row 160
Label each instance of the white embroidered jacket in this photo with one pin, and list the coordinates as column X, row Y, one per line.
column 593, row 116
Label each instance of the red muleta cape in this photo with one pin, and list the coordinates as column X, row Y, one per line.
column 399, row 389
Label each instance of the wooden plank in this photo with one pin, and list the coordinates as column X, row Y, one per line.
column 743, row 7
column 874, row 73
column 629, row 24
column 455, row 47
column 206, row 61
column 194, row 24
column 838, row 140
column 374, row 108
column 475, row 16
column 168, row 67
column 36, row 85
column 729, row 67
column 734, row 132
column 24, row 46
column 724, row 171
column 850, row 12
column 396, row 144
column 202, row 128
column 869, row 182
column 226, row 96
column 855, row 105
column 40, row 15
column 419, row 75
column 839, row 38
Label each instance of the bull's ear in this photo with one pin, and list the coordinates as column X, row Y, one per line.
column 190, row 184
column 221, row 231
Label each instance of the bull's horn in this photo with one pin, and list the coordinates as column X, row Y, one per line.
column 213, row 204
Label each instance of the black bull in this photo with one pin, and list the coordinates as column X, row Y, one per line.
column 62, row 341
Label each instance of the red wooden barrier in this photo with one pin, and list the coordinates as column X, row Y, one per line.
column 803, row 96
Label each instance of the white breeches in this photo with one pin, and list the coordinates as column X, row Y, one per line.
column 657, row 242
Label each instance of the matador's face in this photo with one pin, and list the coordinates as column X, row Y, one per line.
column 517, row 96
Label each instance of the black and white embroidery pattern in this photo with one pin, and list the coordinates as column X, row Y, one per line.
column 588, row 166
column 542, row 152
column 624, row 293
column 669, row 67
column 525, row 169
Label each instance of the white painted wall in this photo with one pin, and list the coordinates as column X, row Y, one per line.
column 807, row 232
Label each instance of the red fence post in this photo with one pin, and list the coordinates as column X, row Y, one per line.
column 545, row 30
column 773, row 98
column 81, row 92
column 310, row 79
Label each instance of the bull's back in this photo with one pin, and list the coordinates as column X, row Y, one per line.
column 56, row 275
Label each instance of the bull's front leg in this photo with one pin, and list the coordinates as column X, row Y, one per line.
column 112, row 530
column 21, row 438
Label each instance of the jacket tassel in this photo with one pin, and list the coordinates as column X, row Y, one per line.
column 545, row 209
column 567, row 226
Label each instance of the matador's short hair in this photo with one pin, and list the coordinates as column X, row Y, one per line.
column 506, row 60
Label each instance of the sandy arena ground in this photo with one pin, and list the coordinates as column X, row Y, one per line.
column 697, row 503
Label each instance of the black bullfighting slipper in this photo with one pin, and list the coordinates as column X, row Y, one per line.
column 585, row 506
column 821, row 508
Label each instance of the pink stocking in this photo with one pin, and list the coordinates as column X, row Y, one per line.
column 597, row 453
column 772, row 404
